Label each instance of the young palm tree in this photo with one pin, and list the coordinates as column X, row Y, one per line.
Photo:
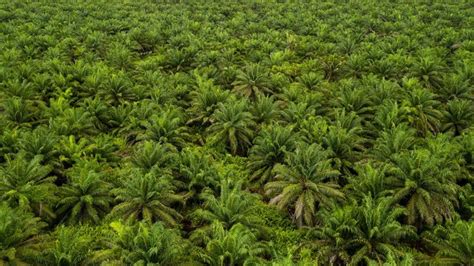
column 459, row 116
column 429, row 71
column 26, row 184
column 237, row 246
column 423, row 110
column 20, row 241
column 40, row 141
column 269, row 150
column 393, row 141
column 73, row 121
column 379, row 235
column 454, row 87
column 252, row 81
column 146, row 197
column 196, row 170
column 372, row 180
column 150, row 154
column 426, row 187
column 355, row 100
column 346, row 146
column 331, row 241
column 388, row 115
column 265, row 110
column 233, row 127
column 141, row 244
column 304, row 184
column 166, row 128
column 18, row 112
column 231, row 207
column 85, row 199
column 70, row 246
column 454, row 244
column 310, row 80
column 204, row 101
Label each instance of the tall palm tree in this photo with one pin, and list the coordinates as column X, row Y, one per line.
column 141, row 244
column 269, row 150
column 85, row 199
column 26, row 184
column 20, row 239
column 146, row 197
column 426, row 187
column 237, row 246
column 233, row 127
column 454, row 244
column 304, row 184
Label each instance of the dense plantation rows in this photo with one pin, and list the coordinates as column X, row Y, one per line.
column 236, row 133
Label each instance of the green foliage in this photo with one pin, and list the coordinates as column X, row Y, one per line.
column 20, row 241
column 141, row 244
column 146, row 197
column 237, row 246
column 304, row 184
column 454, row 244
column 236, row 133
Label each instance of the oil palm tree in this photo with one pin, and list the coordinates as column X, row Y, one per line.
column 371, row 180
column 230, row 207
column 265, row 110
column 196, row 169
column 423, row 110
column 166, row 128
column 393, row 141
column 146, row 197
column 70, row 245
column 269, row 150
column 426, row 187
column 252, row 81
column 204, row 101
column 304, row 184
column 237, row 246
column 85, row 199
column 20, row 239
column 141, row 244
column 454, row 244
column 26, row 184
column 331, row 240
column 458, row 116
column 429, row 69
column 150, row 154
column 233, row 127
column 346, row 146
column 379, row 234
